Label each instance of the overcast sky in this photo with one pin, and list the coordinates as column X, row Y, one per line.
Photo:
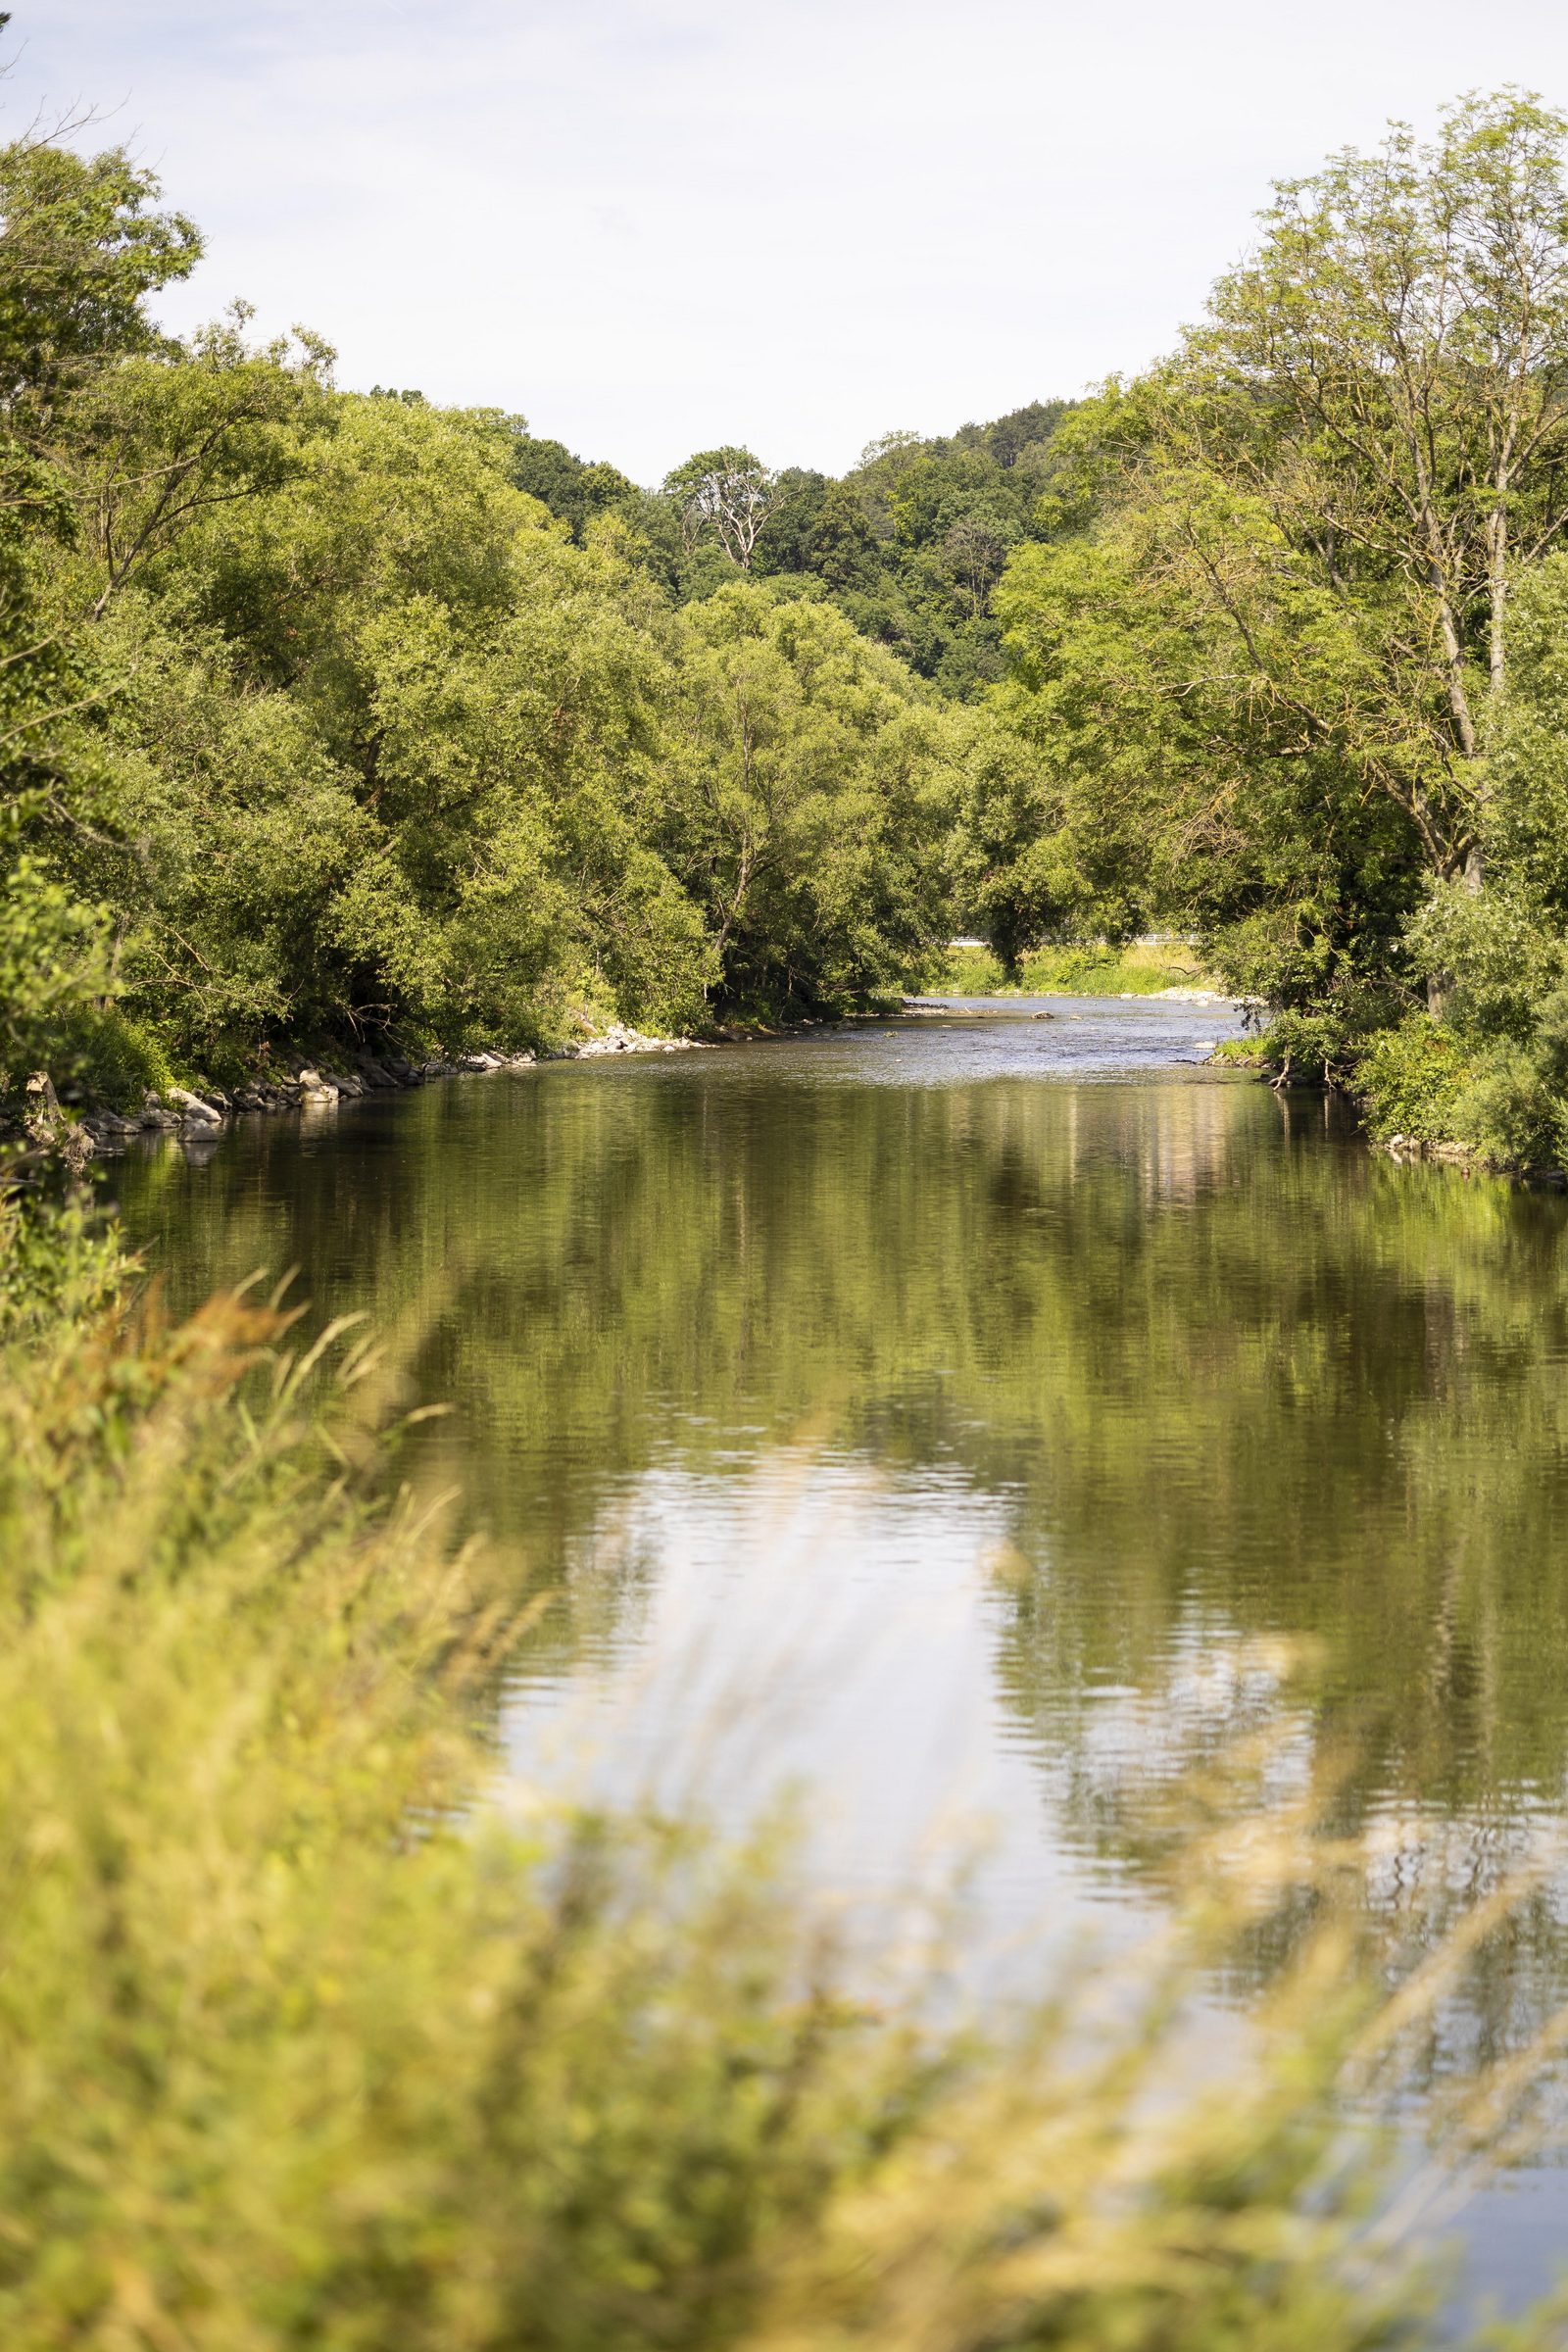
column 656, row 225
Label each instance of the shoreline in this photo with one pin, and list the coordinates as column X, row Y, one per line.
column 304, row 1084
column 99, row 1131
column 190, row 1113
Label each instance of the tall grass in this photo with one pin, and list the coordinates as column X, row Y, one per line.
column 308, row 2039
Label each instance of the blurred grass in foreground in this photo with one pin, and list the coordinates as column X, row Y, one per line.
column 302, row 2046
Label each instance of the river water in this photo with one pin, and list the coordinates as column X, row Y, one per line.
column 973, row 1423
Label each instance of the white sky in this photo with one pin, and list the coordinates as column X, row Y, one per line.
column 656, row 225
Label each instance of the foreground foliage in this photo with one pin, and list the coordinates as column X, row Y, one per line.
column 298, row 2049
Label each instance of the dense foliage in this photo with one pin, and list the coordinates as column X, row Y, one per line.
column 1292, row 654
column 337, row 716
column 323, row 724
column 909, row 544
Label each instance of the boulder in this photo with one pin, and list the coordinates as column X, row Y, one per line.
column 193, row 1107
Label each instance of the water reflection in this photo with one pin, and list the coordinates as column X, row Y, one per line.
column 971, row 1411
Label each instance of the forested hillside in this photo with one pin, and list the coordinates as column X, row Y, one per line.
column 910, row 544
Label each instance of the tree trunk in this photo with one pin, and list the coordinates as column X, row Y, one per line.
column 1498, row 590
column 1464, row 725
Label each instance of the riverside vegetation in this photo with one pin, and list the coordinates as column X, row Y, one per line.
column 335, row 720
column 331, row 718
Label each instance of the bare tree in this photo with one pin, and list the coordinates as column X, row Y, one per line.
column 726, row 494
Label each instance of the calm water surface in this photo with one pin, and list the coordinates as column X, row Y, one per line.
column 965, row 1419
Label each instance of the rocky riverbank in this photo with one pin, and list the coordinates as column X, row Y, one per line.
column 1409, row 1149
column 322, row 1085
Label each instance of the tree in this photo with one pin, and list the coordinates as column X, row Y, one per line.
column 842, row 549
column 164, row 436
column 971, row 553
column 571, row 489
column 816, row 791
column 1270, row 632
column 724, row 494
column 1390, row 375
column 81, row 244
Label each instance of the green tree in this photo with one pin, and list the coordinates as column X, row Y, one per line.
column 1390, row 374
column 570, row 488
column 81, row 244
column 159, row 439
column 816, row 796
column 1270, row 650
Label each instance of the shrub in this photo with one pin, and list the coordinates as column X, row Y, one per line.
column 1436, row 1083
column 1413, row 1081
column 113, row 1058
column 968, row 972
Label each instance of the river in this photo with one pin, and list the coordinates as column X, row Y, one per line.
column 972, row 1423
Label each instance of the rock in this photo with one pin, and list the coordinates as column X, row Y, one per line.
column 193, row 1107
column 108, row 1129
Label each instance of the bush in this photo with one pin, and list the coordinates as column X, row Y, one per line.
column 112, row 1058
column 59, row 1262
column 968, row 972
column 1413, row 1081
column 1434, row 1082
column 1097, row 970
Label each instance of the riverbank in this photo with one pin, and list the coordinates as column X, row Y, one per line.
column 320, row 1084
column 1012, row 1004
